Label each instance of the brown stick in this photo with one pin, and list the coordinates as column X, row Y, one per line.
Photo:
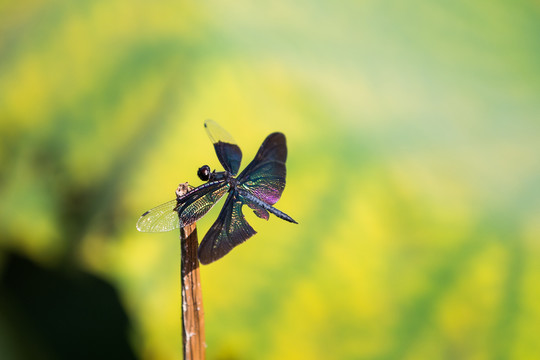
column 192, row 304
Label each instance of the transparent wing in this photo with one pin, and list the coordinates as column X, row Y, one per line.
column 228, row 153
column 197, row 202
column 159, row 219
column 229, row 230
column 191, row 207
column 264, row 177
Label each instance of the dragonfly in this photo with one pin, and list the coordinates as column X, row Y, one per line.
column 259, row 186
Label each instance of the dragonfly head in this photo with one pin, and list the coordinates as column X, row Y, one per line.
column 204, row 173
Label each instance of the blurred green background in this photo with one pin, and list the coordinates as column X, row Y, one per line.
column 414, row 171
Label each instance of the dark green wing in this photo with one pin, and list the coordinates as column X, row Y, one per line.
column 229, row 230
column 264, row 177
column 228, row 153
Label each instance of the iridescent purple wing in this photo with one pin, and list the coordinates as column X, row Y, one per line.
column 229, row 230
column 191, row 207
column 228, row 153
column 264, row 177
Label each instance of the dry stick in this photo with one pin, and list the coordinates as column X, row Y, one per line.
column 192, row 304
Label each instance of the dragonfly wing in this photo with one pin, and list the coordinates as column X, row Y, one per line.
column 197, row 202
column 229, row 230
column 159, row 219
column 263, row 214
column 264, row 177
column 191, row 207
column 228, row 153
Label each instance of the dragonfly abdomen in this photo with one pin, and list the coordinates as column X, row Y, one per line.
column 258, row 202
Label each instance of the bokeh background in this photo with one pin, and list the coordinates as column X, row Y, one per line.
column 413, row 171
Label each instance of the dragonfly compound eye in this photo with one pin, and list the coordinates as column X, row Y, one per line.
column 204, row 173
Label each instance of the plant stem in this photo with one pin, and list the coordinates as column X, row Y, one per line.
column 192, row 303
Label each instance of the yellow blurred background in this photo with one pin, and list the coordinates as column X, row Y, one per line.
column 413, row 171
